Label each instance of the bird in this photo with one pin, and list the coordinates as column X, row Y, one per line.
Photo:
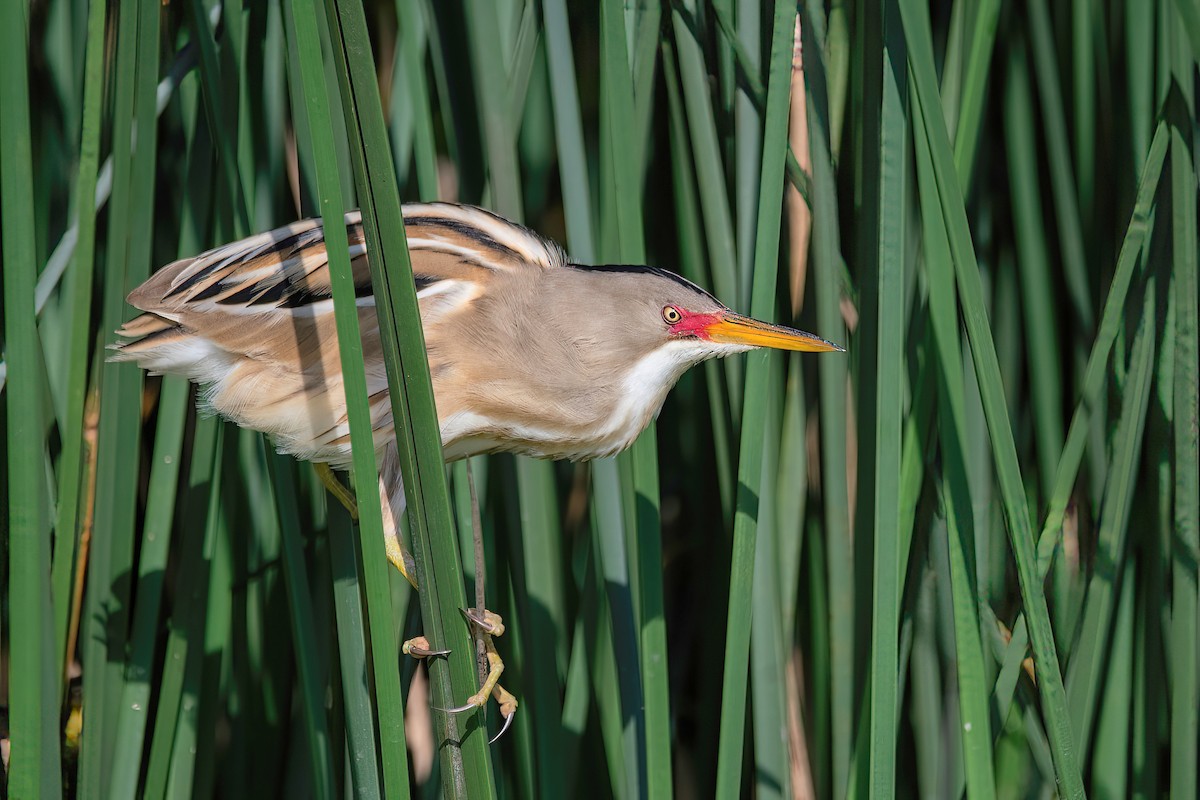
column 529, row 351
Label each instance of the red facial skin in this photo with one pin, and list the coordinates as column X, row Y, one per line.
column 694, row 324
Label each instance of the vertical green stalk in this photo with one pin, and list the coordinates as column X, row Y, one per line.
column 1148, row 684
column 1138, row 30
column 1115, row 730
column 81, row 284
column 374, row 178
column 826, row 263
column 127, row 265
column 362, row 751
column 1037, row 296
column 190, row 764
column 33, row 666
column 541, row 589
column 1083, row 96
column 413, row 80
column 133, row 711
column 973, row 709
column 303, row 622
column 1185, row 689
column 745, row 531
column 613, row 527
column 222, row 133
column 769, row 646
column 184, row 649
column 1091, row 654
column 1066, row 204
column 1189, row 15
column 883, row 290
column 568, row 128
column 974, row 88
column 499, row 135
column 321, row 128
column 747, row 141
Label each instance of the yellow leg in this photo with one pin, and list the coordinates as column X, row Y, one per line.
column 401, row 559
column 396, row 553
column 489, row 624
column 491, row 685
column 337, row 489
column 495, row 669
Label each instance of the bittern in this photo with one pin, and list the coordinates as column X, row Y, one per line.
column 529, row 351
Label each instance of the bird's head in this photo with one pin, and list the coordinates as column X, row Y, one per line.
column 602, row 346
column 639, row 312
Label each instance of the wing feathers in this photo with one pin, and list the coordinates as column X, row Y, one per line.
column 288, row 267
column 252, row 321
column 493, row 240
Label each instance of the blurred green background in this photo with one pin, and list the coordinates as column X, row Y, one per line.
column 961, row 558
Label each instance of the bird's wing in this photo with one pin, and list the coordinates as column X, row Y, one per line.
column 285, row 273
column 479, row 236
column 253, row 320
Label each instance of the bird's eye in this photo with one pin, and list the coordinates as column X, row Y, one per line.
column 671, row 315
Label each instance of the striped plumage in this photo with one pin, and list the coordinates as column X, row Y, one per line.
column 252, row 321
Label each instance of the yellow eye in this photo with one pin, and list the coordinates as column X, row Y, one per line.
column 671, row 315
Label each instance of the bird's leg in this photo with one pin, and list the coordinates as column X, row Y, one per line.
column 337, row 488
column 481, row 660
column 419, row 646
column 400, row 558
column 487, row 625
column 396, row 553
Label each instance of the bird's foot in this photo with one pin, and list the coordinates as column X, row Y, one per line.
column 490, row 625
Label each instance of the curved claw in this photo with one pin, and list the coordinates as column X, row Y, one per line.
column 419, row 648
column 427, row 653
column 488, row 622
column 507, row 723
column 468, row 706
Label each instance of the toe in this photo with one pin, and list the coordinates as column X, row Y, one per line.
column 489, row 622
column 419, row 647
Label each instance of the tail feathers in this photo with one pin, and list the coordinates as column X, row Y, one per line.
column 144, row 332
column 301, row 417
column 164, row 347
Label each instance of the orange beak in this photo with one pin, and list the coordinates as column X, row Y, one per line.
column 731, row 328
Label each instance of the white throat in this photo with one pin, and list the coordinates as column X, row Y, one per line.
column 647, row 384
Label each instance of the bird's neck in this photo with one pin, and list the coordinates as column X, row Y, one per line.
column 599, row 423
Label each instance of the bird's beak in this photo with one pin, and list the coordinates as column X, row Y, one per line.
column 731, row 328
